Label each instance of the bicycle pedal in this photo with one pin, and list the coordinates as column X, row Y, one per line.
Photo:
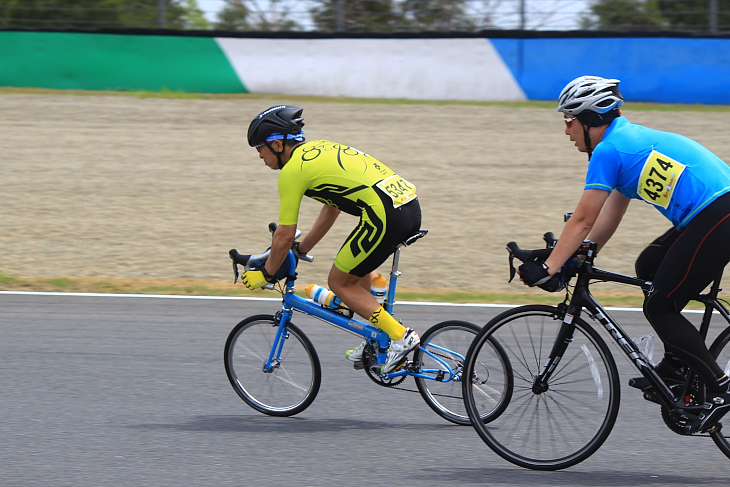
column 651, row 396
column 400, row 364
column 358, row 365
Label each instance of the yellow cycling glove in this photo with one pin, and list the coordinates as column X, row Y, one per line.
column 255, row 279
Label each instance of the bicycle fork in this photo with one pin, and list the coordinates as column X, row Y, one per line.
column 540, row 383
column 274, row 359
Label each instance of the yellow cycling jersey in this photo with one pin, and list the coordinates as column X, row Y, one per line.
column 340, row 176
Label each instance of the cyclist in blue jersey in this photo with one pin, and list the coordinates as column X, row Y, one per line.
column 682, row 179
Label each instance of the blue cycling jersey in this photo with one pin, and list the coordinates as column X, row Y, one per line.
column 675, row 174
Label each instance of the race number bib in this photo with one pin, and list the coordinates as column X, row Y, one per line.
column 659, row 178
column 399, row 190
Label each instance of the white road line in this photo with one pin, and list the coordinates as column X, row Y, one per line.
column 245, row 298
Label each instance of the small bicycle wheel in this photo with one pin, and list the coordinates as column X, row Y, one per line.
column 292, row 384
column 545, row 427
column 449, row 341
column 721, row 351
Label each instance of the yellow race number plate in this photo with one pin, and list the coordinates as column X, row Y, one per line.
column 659, row 178
column 399, row 190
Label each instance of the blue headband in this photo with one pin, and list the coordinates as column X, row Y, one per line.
column 298, row 137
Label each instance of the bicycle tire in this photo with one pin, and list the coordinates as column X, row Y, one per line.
column 450, row 340
column 559, row 427
column 291, row 386
column 721, row 351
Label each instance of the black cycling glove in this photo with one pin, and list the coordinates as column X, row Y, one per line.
column 535, row 274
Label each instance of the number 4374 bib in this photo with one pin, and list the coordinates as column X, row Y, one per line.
column 659, row 178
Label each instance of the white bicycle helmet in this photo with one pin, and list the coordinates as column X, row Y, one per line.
column 592, row 93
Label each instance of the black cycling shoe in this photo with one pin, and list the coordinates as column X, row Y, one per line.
column 713, row 410
column 668, row 373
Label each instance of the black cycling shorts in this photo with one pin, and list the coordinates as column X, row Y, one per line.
column 374, row 240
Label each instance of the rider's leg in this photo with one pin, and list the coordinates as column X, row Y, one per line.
column 689, row 266
column 381, row 230
column 652, row 256
column 349, row 288
column 367, row 280
column 670, row 368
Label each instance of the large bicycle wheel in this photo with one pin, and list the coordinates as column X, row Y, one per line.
column 449, row 341
column 721, row 351
column 553, row 427
column 291, row 386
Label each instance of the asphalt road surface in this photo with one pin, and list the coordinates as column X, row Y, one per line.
column 132, row 391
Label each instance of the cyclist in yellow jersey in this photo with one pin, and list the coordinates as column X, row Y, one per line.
column 343, row 179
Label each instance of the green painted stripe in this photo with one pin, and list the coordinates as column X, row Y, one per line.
column 115, row 62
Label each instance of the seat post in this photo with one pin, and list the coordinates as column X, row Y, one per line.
column 396, row 258
column 394, row 273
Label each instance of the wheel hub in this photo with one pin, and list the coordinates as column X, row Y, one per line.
column 540, row 387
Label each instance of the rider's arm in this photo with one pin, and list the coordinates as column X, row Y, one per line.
column 280, row 245
column 577, row 228
column 322, row 225
column 611, row 214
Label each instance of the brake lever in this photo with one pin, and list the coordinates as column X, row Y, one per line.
column 273, row 226
column 237, row 274
column 512, row 270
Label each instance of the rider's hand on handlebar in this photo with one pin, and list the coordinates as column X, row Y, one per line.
column 535, row 274
column 297, row 252
column 257, row 278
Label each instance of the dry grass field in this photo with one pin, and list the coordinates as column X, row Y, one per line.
column 139, row 189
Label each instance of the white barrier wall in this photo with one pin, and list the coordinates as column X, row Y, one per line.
column 425, row 69
column 506, row 67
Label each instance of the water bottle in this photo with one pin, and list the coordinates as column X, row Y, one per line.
column 646, row 345
column 325, row 297
column 379, row 288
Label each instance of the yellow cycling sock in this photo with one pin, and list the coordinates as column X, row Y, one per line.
column 383, row 320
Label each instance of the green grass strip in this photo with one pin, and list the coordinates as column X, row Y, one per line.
column 183, row 95
column 194, row 287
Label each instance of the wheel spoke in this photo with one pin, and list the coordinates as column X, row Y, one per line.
column 294, row 379
column 450, row 342
column 553, row 425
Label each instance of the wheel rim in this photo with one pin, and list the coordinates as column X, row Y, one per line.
column 450, row 345
column 553, row 425
column 287, row 386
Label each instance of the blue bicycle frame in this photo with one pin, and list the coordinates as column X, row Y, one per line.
column 293, row 302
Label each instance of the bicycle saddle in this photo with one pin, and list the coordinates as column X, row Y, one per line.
column 410, row 240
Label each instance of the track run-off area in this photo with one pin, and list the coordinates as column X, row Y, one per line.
column 130, row 391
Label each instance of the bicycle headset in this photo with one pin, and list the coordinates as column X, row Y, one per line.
column 278, row 122
column 595, row 101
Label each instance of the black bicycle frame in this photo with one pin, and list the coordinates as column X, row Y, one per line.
column 582, row 298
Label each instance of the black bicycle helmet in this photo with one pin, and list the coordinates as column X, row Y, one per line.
column 279, row 119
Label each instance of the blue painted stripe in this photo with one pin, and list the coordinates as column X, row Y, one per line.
column 664, row 70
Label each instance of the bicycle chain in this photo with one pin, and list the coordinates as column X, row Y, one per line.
column 439, row 395
column 395, row 386
column 673, row 421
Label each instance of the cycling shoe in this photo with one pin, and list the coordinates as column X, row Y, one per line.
column 668, row 373
column 711, row 413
